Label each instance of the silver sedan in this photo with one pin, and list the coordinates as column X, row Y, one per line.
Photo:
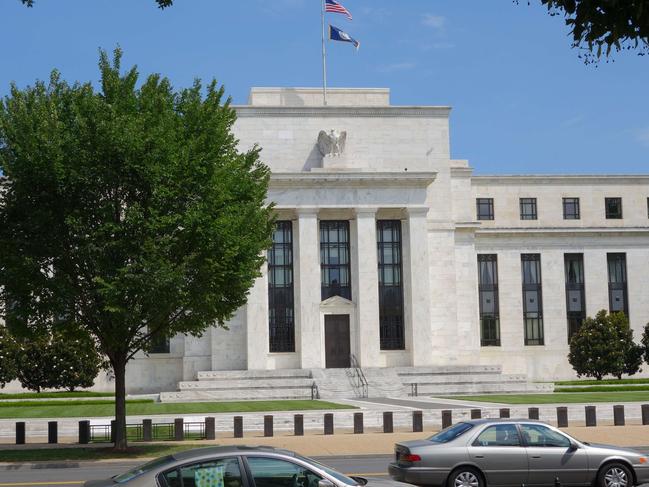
column 237, row 466
column 514, row 452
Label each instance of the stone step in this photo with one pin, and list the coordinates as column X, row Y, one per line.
column 475, row 388
column 254, row 374
column 462, row 379
column 235, row 395
column 449, row 370
column 232, row 384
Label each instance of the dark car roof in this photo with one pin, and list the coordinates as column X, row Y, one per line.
column 228, row 450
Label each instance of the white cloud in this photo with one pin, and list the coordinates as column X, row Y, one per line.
column 391, row 68
column 437, row 22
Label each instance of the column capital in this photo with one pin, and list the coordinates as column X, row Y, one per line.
column 417, row 211
column 306, row 211
column 366, row 212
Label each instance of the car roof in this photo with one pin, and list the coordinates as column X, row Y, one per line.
column 477, row 422
column 229, row 450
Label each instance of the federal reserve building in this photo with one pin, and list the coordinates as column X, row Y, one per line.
column 394, row 262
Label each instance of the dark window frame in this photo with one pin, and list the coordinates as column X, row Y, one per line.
column 528, row 208
column 531, row 322
column 327, row 288
column 618, row 284
column 487, row 203
column 613, row 215
column 391, row 300
column 489, row 322
column 571, row 209
column 281, row 298
column 574, row 285
column 160, row 344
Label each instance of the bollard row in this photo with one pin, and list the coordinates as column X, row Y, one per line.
column 179, row 430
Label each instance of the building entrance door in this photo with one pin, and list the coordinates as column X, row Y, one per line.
column 337, row 347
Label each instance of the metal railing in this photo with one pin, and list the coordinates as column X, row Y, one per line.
column 360, row 382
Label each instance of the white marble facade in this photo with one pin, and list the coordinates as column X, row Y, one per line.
column 397, row 165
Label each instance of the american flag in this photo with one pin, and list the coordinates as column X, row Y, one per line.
column 335, row 7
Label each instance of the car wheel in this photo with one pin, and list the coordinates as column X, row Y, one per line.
column 615, row 475
column 467, row 477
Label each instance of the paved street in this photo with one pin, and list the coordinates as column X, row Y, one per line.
column 69, row 474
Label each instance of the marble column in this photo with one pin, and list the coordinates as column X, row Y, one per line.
column 257, row 322
column 306, row 287
column 418, row 296
column 367, row 299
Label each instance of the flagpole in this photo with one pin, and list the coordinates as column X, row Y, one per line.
column 324, row 58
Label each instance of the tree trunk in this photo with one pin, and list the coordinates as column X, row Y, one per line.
column 119, row 435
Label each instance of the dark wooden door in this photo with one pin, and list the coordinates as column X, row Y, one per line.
column 337, row 347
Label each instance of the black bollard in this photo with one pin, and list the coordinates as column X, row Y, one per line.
column 388, row 422
column 447, row 418
column 20, row 433
column 52, row 432
column 618, row 415
column 268, row 425
column 476, row 414
column 562, row 417
column 179, row 429
column 591, row 415
column 533, row 413
column 147, row 430
column 329, row 424
column 84, row 432
column 298, row 425
column 238, row 426
column 645, row 414
column 504, row 412
column 210, row 428
column 358, row 423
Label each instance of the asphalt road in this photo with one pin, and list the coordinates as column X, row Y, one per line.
column 73, row 474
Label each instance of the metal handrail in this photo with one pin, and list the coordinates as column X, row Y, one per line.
column 359, row 375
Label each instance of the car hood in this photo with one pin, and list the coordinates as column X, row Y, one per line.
column 376, row 482
column 620, row 449
column 99, row 483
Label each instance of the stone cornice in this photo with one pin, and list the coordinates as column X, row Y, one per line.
column 349, row 178
column 556, row 179
column 247, row 111
column 461, row 172
column 561, row 230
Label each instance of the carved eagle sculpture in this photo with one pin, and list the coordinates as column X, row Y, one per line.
column 332, row 143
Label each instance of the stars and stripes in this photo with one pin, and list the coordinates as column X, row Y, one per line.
column 334, row 7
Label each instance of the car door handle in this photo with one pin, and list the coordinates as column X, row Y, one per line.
column 536, row 456
column 479, row 456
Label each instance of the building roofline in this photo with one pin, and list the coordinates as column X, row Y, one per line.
column 561, row 179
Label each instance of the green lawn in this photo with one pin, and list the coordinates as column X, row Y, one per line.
column 80, row 409
column 593, row 382
column 559, row 398
column 60, row 454
column 620, row 388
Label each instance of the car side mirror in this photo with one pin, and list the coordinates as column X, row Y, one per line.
column 573, row 446
column 325, row 483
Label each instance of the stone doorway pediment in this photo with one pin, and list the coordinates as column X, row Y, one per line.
column 336, row 302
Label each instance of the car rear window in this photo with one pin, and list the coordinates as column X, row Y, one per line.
column 450, row 433
column 147, row 467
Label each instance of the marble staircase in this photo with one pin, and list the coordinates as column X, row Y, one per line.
column 233, row 385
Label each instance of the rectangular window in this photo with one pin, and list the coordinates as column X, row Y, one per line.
column 528, row 208
column 281, row 313
column 488, row 295
column 160, row 344
column 485, row 208
column 388, row 240
column 613, row 208
column 575, row 292
column 571, row 209
column 334, row 259
column 532, row 298
column 617, row 286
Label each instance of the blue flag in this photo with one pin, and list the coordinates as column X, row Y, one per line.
column 335, row 34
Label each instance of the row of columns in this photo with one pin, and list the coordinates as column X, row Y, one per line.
column 364, row 270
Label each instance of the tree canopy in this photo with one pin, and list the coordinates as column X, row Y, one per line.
column 127, row 213
column 601, row 26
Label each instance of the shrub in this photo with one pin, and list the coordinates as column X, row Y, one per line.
column 645, row 342
column 604, row 345
column 7, row 357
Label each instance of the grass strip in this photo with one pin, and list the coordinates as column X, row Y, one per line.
column 600, row 382
column 66, row 404
column 55, row 395
column 603, row 388
column 107, row 453
column 145, row 407
column 558, row 398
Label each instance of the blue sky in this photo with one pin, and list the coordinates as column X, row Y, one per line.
column 522, row 100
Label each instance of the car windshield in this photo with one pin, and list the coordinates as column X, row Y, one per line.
column 147, row 467
column 450, row 433
column 330, row 471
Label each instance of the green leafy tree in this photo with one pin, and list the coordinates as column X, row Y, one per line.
column 632, row 351
column 33, row 356
column 127, row 213
column 645, row 342
column 601, row 26
column 596, row 349
column 7, row 357
column 75, row 360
